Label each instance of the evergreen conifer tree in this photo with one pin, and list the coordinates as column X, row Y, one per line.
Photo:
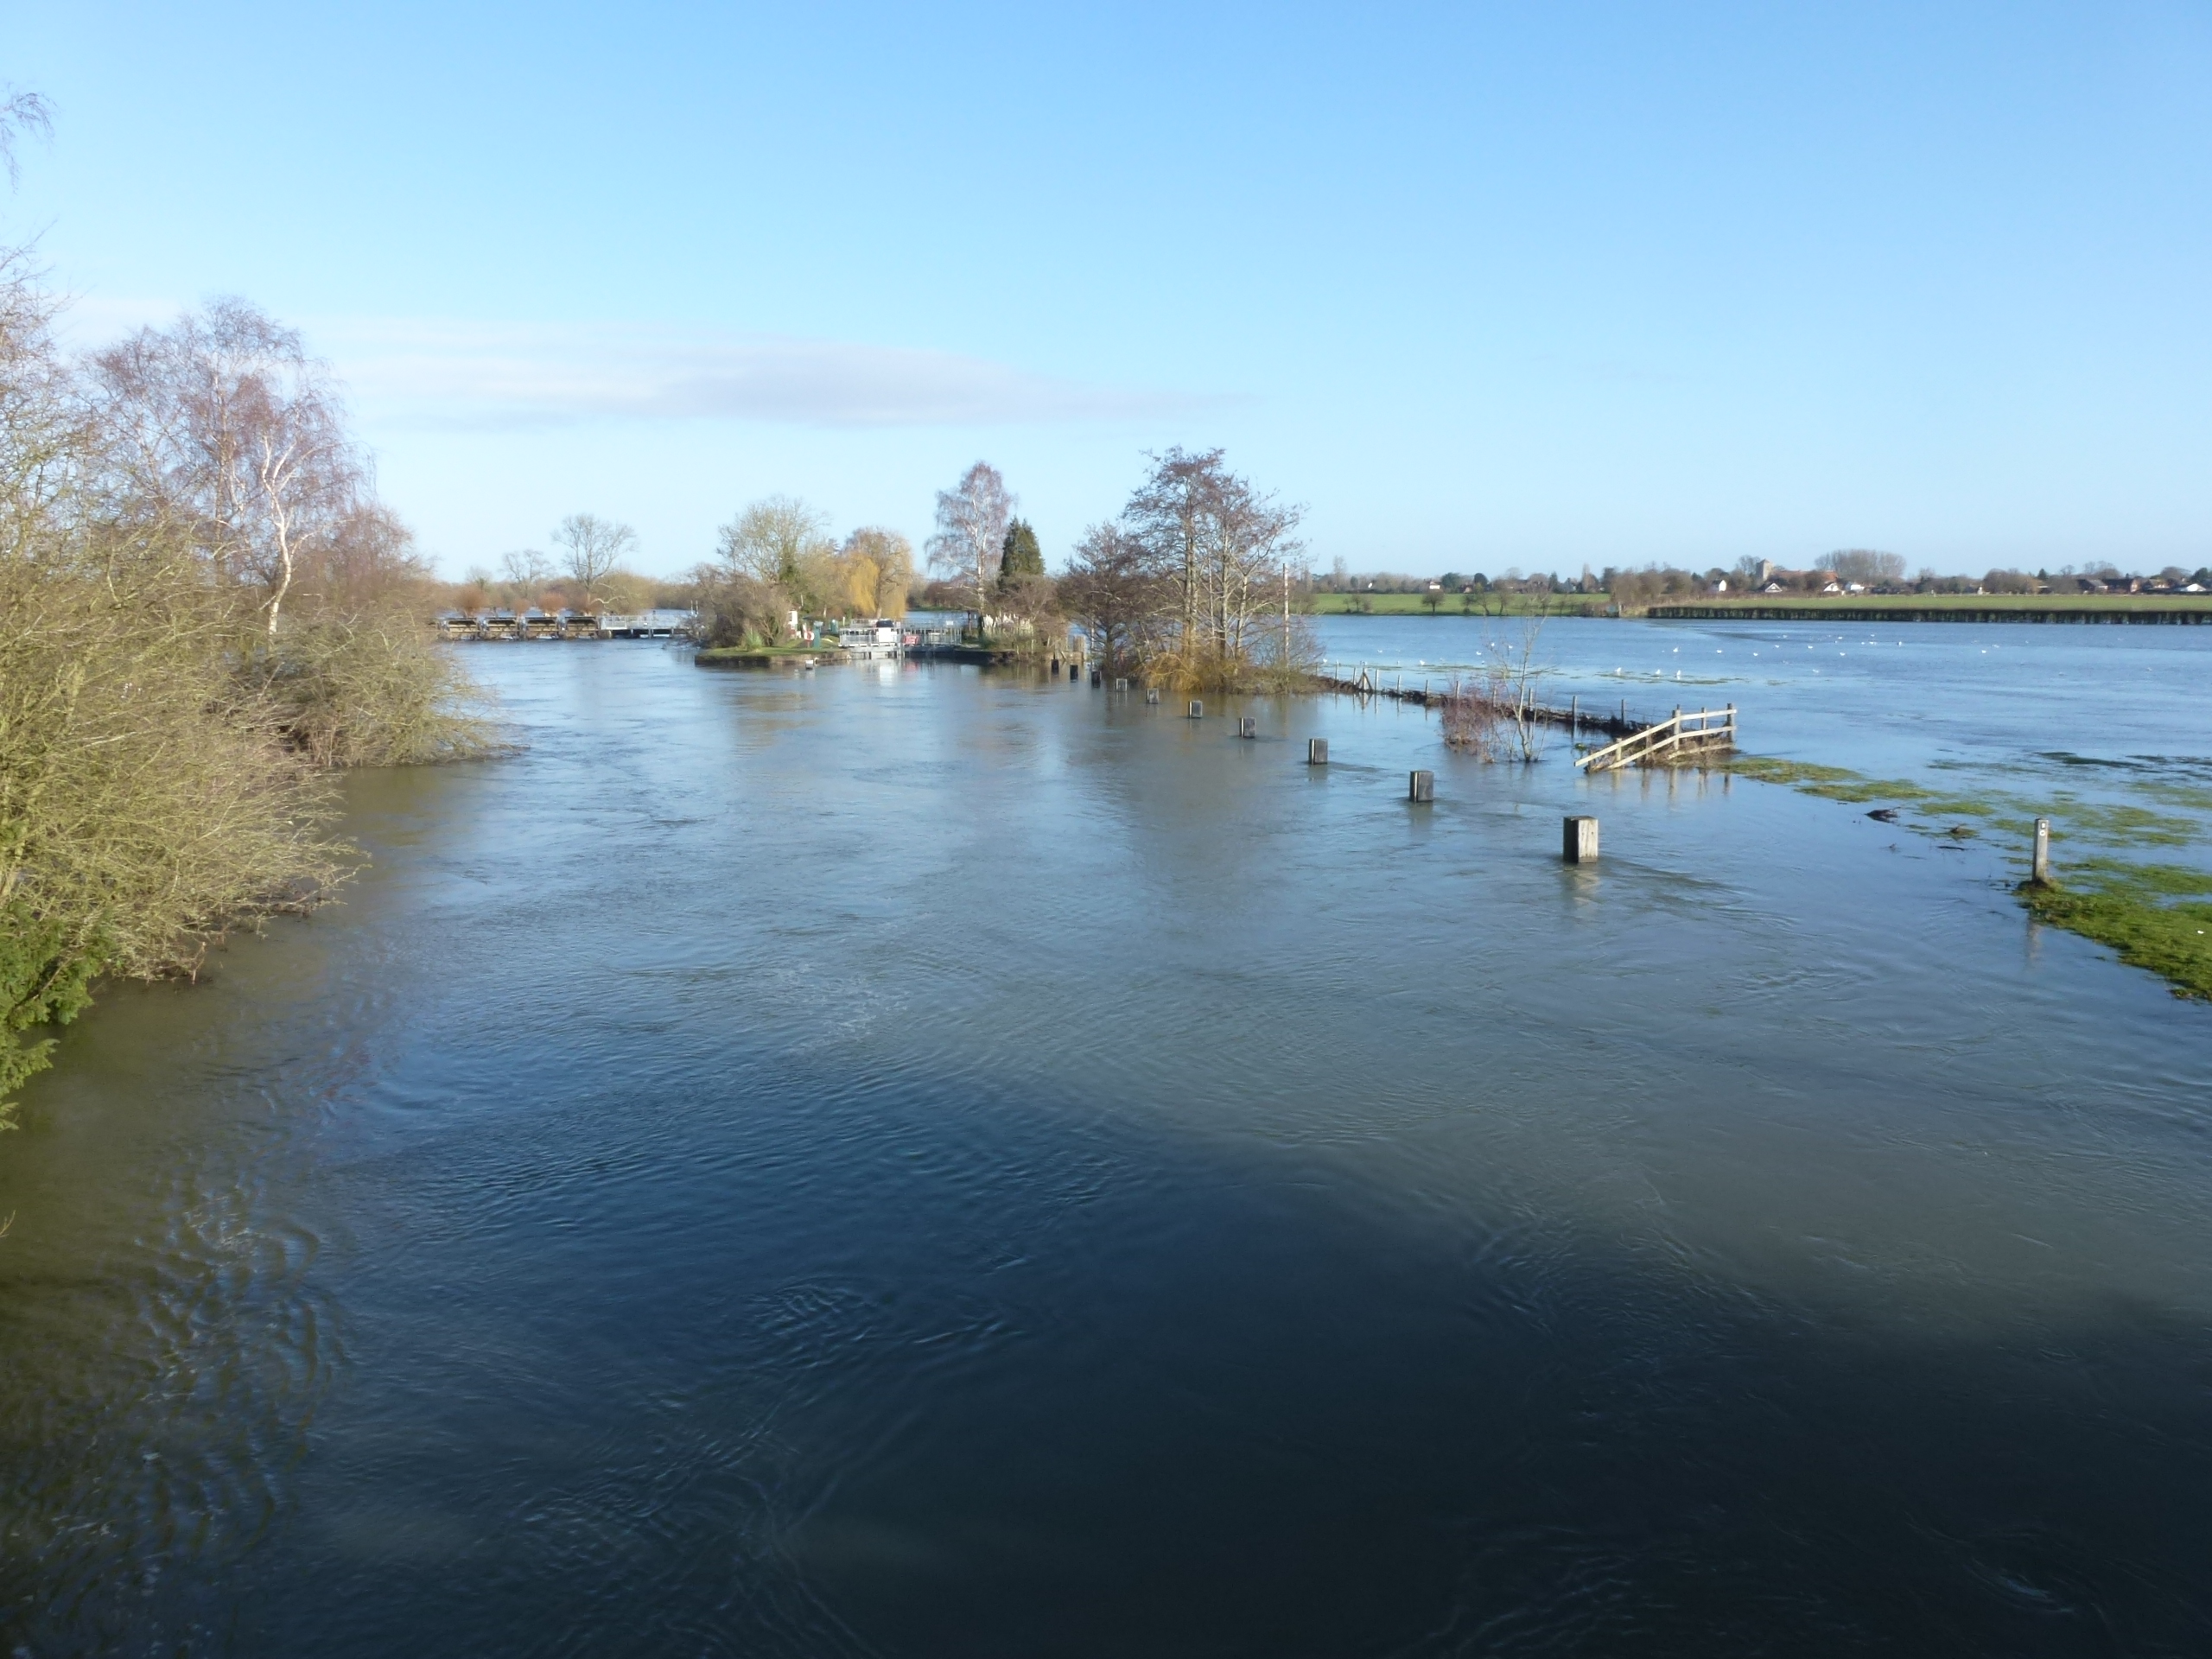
column 1020, row 555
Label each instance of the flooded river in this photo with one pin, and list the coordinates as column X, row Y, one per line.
column 903, row 1160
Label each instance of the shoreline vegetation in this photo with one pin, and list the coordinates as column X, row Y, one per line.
column 205, row 612
column 1192, row 587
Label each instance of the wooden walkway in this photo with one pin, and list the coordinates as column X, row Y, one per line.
column 1678, row 738
column 1574, row 717
column 1671, row 741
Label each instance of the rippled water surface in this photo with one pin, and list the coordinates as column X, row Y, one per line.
column 907, row 1161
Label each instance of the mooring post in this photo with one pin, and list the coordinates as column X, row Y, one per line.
column 1421, row 786
column 1247, row 727
column 1121, row 685
column 1151, row 694
column 1578, row 844
column 2039, row 869
column 1197, row 709
column 1075, row 671
column 1317, row 751
column 1574, row 718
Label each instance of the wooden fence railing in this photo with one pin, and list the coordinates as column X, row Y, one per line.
column 1676, row 738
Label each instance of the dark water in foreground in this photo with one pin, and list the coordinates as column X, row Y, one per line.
column 904, row 1161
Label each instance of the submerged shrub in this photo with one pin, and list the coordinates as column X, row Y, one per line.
column 189, row 640
column 368, row 689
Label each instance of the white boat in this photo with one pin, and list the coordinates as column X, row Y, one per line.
column 877, row 638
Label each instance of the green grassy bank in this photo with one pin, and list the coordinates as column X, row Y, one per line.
column 1449, row 605
column 1944, row 607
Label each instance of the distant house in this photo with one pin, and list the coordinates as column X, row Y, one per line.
column 1435, row 587
column 1721, row 586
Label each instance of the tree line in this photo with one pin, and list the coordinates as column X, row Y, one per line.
column 1194, row 583
column 204, row 610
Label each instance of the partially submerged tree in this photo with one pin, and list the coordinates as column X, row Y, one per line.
column 1110, row 592
column 970, row 539
column 1220, row 552
column 202, row 603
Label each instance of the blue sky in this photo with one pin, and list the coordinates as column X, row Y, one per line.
column 1482, row 286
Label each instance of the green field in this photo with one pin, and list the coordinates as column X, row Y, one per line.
column 1789, row 606
column 1943, row 607
column 1449, row 605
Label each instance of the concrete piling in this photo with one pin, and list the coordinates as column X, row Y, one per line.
column 1152, row 695
column 1121, row 685
column 1197, row 709
column 1421, row 786
column 2039, row 867
column 1579, row 842
column 1317, row 751
column 1247, row 727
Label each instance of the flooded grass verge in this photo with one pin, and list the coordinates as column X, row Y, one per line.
column 2142, row 912
column 2157, row 916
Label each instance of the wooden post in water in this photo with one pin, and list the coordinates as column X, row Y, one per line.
column 1247, row 727
column 1579, row 842
column 1421, row 786
column 1317, row 751
column 1197, row 709
column 2039, row 866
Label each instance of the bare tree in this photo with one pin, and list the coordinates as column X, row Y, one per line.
column 970, row 539
column 225, row 426
column 1167, row 518
column 1492, row 714
column 784, row 543
column 527, row 572
column 21, row 114
column 1865, row 565
column 1110, row 593
column 592, row 547
column 1221, row 551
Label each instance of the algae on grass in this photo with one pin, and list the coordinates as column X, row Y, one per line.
column 1841, row 783
column 2140, row 912
column 2152, row 916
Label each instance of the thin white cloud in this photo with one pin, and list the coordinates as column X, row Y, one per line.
column 505, row 376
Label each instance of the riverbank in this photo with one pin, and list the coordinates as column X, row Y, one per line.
column 2169, row 609
column 1457, row 605
column 2157, row 608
